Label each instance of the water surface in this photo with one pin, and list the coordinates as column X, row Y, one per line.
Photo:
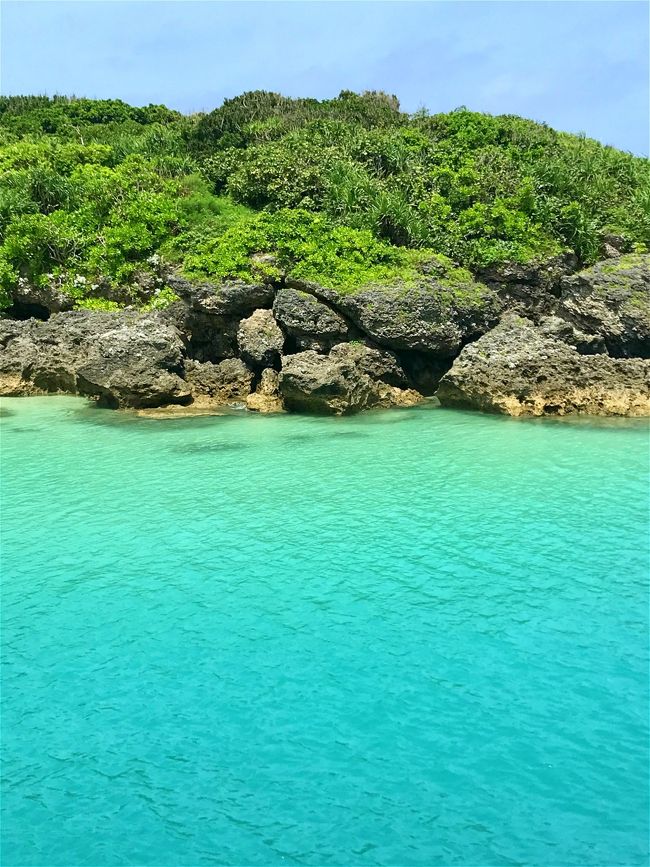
column 411, row 637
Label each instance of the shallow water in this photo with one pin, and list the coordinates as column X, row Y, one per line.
column 411, row 637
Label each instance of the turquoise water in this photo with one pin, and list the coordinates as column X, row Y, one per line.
column 411, row 637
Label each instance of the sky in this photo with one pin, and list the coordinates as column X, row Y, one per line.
column 578, row 65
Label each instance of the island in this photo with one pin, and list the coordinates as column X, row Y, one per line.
column 320, row 256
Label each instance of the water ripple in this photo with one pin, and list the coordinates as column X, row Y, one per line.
column 404, row 638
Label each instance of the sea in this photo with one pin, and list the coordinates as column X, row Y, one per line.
column 408, row 637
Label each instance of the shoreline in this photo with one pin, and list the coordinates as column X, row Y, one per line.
column 558, row 345
column 187, row 414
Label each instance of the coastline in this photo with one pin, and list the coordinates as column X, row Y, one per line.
column 534, row 342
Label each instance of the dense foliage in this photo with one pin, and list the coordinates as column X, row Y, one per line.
column 98, row 198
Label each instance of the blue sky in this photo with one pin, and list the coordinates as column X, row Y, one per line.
column 580, row 66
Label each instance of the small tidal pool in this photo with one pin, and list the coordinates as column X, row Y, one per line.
column 410, row 637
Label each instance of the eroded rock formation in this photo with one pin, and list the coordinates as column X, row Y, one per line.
column 260, row 340
column 266, row 397
column 311, row 323
column 124, row 359
column 611, row 301
column 534, row 339
column 432, row 317
column 227, row 382
column 518, row 370
column 351, row 378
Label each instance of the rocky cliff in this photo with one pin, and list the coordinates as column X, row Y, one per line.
column 535, row 339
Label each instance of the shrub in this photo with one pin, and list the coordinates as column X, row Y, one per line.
column 343, row 191
column 302, row 245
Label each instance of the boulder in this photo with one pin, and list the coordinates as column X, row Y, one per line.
column 133, row 360
column 336, row 384
column 611, row 301
column 235, row 298
column 266, row 397
column 531, row 288
column 613, row 246
column 378, row 364
column 312, row 382
column 230, row 381
column 42, row 356
column 516, row 369
column 18, row 354
column 260, row 340
column 433, row 317
column 124, row 359
column 312, row 323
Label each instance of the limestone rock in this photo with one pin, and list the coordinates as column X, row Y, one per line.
column 432, row 317
column 313, row 324
column 260, row 340
column 560, row 329
column 13, row 385
column 132, row 360
column 518, row 370
column 532, row 288
column 314, row 383
column 124, row 359
column 207, row 337
column 611, row 300
column 613, row 246
column 41, row 356
column 18, row 353
column 378, row 364
column 336, row 384
column 266, row 397
column 228, row 382
column 38, row 301
column 234, row 298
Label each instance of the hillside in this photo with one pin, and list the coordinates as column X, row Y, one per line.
column 99, row 201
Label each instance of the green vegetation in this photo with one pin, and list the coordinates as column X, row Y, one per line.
column 303, row 245
column 99, row 199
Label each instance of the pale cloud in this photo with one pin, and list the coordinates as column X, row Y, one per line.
column 576, row 65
